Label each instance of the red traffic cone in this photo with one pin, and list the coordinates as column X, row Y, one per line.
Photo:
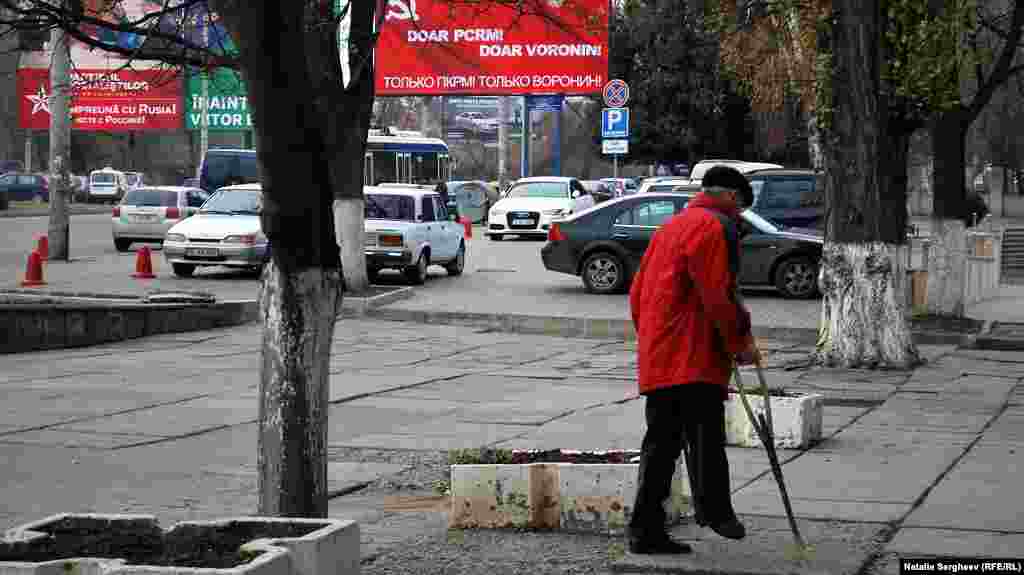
column 43, row 248
column 143, row 264
column 34, row 271
column 467, row 228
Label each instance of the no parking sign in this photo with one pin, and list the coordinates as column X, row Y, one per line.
column 616, row 93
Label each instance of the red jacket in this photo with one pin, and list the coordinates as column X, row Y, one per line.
column 685, row 285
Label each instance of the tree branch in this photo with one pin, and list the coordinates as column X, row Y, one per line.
column 1000, row 73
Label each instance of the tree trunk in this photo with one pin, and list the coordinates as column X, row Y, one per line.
column 862, row 271
column 299, row 310
column 310, row 134
column 59, row 226
column 349, row 220
column 947, row 253
column 353, row 109
column 814, row 151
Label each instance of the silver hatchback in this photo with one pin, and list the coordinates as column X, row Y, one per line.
column 145, row 214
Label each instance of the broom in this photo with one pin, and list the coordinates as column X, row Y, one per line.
column 762, row 423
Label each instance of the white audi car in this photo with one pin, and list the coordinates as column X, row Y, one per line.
column 529, row 205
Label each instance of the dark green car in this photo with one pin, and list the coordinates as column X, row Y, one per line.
column 604, row 246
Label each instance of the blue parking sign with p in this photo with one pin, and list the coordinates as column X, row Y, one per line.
column 615, row 123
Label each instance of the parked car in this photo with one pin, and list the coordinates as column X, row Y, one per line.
column 667, row 185
column 476, row 121
column 529, row 205
column 621, row 186
column 789, row 198
column 697, row 173
column 133, row 180
column 601, row 191
column 409, row 229
column 22, row 187
column 146, row 214
column 107, row 185
column 7, row 166
column 604, row 246
column 227, row 167
column 225, row 232
column 469, row 198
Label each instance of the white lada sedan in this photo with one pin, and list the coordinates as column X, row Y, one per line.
column 225, row 232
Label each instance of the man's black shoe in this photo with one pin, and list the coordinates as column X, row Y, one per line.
column 731, row 529
column 658, row 546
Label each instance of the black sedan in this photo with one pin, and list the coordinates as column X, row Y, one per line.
column 604, row 246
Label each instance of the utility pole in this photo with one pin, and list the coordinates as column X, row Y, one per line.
column 524, row 160
column 204, row 79
column 502, row 141
column 59, row 229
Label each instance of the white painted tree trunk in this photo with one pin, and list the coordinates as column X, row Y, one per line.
column 863, row 317
column 348, row 226
column 814, row 142
column 299, row 311
column 947, row 263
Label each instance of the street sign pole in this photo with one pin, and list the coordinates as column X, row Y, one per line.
column 615, row 166
column 204, row 115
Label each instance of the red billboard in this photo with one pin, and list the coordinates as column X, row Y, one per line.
column 105, row 100
column 492, row 48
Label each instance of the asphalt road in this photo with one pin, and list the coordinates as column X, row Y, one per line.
column 500, row 276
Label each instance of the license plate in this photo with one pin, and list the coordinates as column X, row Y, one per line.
column 145, row 218
column 523, row 222
column 202, row 252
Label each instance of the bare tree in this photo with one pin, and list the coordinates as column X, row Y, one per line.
column 311, row 127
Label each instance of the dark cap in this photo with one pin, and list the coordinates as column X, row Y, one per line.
column 725, row 177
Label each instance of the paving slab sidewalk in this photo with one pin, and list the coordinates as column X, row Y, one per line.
column 903, row 451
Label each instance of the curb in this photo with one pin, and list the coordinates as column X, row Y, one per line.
column 985, row 340
column 81, row 322
column 616, row 329
column 352, row 306
column 39, row 212
column 65, row 319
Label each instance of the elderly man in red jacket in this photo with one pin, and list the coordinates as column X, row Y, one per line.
column 690, row 327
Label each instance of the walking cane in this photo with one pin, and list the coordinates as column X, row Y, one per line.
column 763, row 425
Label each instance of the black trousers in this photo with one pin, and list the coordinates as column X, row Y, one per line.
column 693, row 415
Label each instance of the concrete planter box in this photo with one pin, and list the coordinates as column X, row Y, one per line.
column 796, row 420
column 586, row 497
column 91, row 544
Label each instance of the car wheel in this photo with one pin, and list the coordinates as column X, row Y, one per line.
column 797, row 277
column 183, row 270
column 122, row 245
column 372, row 275
column 604, row 273
column 417, row 274
column 495, row 237
column 456, row 266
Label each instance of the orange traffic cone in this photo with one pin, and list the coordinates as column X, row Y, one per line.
column 34, row 271
column 43, row 248
column 143, row 264
column 467, row 228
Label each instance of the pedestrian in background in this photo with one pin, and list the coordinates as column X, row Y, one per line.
column 690, row 328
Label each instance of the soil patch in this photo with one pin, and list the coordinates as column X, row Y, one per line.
column 572, row 456
column 945, row 323
column 142, row 542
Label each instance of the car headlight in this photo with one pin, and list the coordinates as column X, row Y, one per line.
column 554, row 212
column 246, row 239
column 497, row 213
column 174, row 238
